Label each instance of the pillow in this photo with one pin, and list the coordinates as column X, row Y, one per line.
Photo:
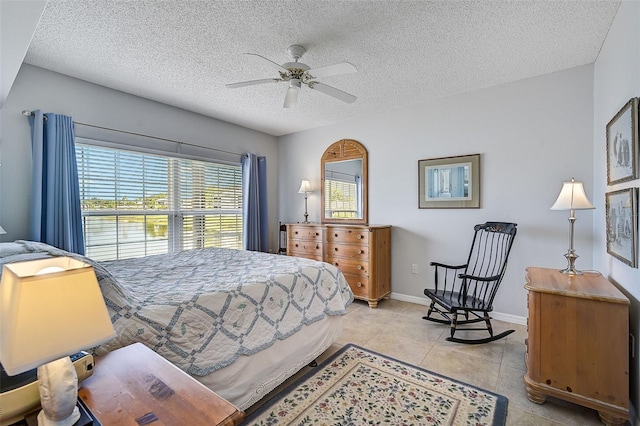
column 10, row 249
column 38, row 247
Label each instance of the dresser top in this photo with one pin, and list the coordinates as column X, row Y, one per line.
column 590, row 285
column 339, row 225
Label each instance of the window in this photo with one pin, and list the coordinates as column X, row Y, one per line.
column 340, row 199
column 138, row 204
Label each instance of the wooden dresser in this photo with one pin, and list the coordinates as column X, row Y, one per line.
column 361, row 252
column 577, row 345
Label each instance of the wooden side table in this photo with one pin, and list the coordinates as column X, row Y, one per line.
column 577, row 345
column 136, row 386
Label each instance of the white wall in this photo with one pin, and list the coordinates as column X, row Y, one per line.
column 532, row 135
column 36, row 88
column 18, row 22
column 616, row 80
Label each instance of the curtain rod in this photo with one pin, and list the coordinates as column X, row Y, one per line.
column 27, row 113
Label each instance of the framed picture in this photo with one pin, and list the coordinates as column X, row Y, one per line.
column 622, row 144
column 622, row 225
column 449, row 182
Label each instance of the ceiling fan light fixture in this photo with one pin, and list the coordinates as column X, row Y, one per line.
column 291, row 99
column 295, row 83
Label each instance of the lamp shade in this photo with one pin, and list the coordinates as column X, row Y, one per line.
column 2, row 231
column 49, row 308
column 572, row 197
column 305, row 186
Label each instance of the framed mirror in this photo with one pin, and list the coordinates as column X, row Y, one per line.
column 343, row 171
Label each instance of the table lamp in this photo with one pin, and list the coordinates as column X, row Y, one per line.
column 2, row 231
column 305, row 187
column 51, row 308
column 572, row 197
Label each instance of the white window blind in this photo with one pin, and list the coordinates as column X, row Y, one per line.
column 340, row 199
column 137, row 204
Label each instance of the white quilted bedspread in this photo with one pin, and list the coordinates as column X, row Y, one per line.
column 201, row 309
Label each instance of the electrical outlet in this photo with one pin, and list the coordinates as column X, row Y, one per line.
column 414, row 268
column 632, row 345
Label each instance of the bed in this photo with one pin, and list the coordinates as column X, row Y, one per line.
column 240, row 322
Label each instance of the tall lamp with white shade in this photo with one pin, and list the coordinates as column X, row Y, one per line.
column 50, row 308
column 572, row 197
column 305, row 187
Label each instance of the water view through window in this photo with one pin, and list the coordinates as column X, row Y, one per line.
column 138, row 204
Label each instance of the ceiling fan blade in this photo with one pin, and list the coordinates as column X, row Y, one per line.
column 252, row 83
column 291, row 99
column 332, row 91
column 337, row 69
column 269, row 62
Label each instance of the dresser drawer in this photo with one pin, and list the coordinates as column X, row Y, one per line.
column 307, row 256
column 305, row 233
column 350, row 266
column 347, row 235
column 304, row 248
column 359, row 285
column 352, row 251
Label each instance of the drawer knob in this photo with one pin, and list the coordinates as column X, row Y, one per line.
column 297, row 245
column 295, row 232
column 359, row 267
column 335, row 263
column 359, row 236
column 335, row 235
column 359, row 284
column 317, row 247
column 336, row 249
column 360, row 252
column 317, row 233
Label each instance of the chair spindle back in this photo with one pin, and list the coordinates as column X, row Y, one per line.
column 490, row 249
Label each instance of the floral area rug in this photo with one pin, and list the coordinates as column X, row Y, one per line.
column 356, row 386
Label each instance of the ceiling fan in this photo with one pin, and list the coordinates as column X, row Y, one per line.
column 296, row 74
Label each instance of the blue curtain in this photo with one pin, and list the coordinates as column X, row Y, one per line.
column 55, row 216
column 255, row 232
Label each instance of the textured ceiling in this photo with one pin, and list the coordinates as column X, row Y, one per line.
column 182, row 53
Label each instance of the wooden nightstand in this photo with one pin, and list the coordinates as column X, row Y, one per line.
column 135, row 386
column 577, row 345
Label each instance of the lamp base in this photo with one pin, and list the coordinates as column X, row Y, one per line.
column 571, row 259
column 86, row 417
column 58, row 386
column 571, row 271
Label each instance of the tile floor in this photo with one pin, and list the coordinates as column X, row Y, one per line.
column 396, row 329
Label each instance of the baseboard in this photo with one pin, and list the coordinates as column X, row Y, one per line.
column 514, row 319
column 411, row 299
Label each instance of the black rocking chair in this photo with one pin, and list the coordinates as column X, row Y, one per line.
column 470, row 288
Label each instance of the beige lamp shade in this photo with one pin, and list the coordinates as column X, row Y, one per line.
column 2, row 231
column 305, row 186
column 49, row 309
column 572, row 197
